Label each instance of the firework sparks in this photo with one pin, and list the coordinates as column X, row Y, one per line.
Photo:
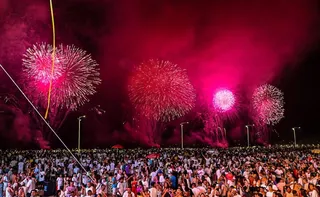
column 161, row 90
column 75, row 76
column 223, row 100
column 268, row 102
column 37, row 64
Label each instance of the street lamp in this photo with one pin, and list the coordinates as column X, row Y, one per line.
column 79, row 130
column 181, row 128
column 248, row 134
column 294, row 135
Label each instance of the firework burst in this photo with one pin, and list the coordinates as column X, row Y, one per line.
column 268, row 104
column 161, row 90
column 223, row 100
column 75, row 76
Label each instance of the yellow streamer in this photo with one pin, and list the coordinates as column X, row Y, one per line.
column 53, row 58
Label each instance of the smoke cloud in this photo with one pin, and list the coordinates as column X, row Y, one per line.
column 15, row 126
column 220, row 42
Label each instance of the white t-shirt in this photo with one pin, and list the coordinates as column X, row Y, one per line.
column 218, row 173
column 20, row 165
column 162, row 179
column 75, row 180
column 279, row 173
column 153, row 174
column 208, row 161
column 30, row 185
column 120, row 187
column 196, row 191
column 145, row 183
column 42, row 176
column 313, row 193
column 126, row 194
column 84, row 179
column 269, row 194
column 60, row 182
column 153, row 192
column 8, row 194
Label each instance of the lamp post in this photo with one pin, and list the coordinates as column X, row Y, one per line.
column 248, row 134
column 294, row 135
column 181, row 128
column 79, row 130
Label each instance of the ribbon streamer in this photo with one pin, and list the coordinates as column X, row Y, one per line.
column 53, row 59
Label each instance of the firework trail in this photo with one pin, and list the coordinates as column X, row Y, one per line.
column 161, row 90
column 268, row 104
column 75, row 76
column 217, row 109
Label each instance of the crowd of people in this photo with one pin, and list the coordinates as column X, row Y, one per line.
column 233, row 172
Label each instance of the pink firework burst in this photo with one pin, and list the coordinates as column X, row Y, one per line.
column 75, row 76
column 268, row 104
column 223, row 100
column 38, row 61
column 161, row 90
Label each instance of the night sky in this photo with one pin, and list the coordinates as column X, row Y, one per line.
column 229, row 43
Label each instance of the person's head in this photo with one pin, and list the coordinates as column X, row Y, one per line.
column 311, row 187
column 193, row 185
column 304, row 181
column 146, row 193
column 129, row 192
column 33, row 193
column 303, row 192
column 288, row 189
column 209, row 190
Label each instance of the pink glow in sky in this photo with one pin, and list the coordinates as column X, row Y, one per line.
column 223, row 100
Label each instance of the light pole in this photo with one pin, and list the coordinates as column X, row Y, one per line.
column 294, row 135
column 181, row 128
column 248, row 134
column 79, row 130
